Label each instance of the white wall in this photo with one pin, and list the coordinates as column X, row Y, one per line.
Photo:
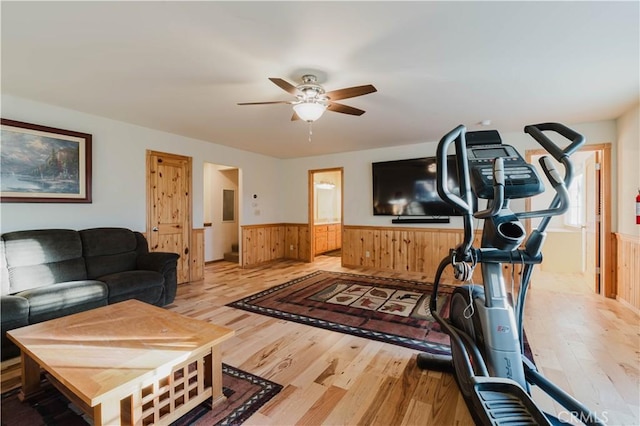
column 357, row 174
column 119, row 191
column 280, row 186
column 628, row 171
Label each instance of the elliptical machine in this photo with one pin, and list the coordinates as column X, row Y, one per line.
column 484, row 326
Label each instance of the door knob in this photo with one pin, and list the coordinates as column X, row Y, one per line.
column 154, row 229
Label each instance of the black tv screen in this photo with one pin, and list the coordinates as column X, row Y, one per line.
column 408, row 188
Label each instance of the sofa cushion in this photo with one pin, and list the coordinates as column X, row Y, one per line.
column 108, row 250
column 42, row 257
column 63, row 299
column 29, row 277
column 146, row 286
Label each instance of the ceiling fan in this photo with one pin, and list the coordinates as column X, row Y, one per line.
column 312, row 100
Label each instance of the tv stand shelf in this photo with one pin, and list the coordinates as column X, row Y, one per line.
column 421, row 220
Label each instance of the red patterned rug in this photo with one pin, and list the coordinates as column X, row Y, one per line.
column 245, row 393
column 390, row 310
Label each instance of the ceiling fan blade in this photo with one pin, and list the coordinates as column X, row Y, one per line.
column 294, row 117
column 285, row 85
column 345, row 109
column 350, row 92
column 264, row 103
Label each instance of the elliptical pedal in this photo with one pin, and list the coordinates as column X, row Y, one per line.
column 505, row 403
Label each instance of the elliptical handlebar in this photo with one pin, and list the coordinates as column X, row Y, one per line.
column 463, row 203
column 560, row 201
column 498, row 191
column 577, row 140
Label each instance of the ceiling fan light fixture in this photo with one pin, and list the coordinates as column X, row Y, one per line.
column 309, row 111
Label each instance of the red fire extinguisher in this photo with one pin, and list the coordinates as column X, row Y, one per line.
column 638, row 208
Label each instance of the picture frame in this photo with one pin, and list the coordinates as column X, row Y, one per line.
column 43, row 164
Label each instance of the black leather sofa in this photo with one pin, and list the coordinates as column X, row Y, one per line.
column 50, row 273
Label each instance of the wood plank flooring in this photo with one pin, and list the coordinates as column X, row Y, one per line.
column 588, row 344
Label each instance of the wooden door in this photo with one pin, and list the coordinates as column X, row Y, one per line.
column 592, row 228
column 169, row 207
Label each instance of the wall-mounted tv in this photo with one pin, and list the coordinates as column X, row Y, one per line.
column 408, row 188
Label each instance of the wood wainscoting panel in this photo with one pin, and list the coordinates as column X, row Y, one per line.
column 627, row 248
column 254, row 250
column 291, row 243
column 297, row 244
column 384, row 248
column 269, row 242
column 197, row 254
column 275, row 242
column 400, row 249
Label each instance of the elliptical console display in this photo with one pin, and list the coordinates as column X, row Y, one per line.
column 521, row 178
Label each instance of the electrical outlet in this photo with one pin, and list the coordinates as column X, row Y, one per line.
column 291, row 247
column 367, row 254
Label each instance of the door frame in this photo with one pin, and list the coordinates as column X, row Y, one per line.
column 220, row 168
column 311, row 207
column 603, row 201
column 189, row 176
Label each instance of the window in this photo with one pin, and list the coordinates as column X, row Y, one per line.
column 575, row 216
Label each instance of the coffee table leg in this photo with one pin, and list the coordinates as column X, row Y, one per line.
column 108, row 413
column 216, row 373
column 30, row 377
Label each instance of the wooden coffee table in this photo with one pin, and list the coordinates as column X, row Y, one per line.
column 126, row 363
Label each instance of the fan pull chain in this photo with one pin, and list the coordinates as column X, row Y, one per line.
column 310, row 130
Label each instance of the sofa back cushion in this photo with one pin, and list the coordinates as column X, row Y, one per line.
column 42, row 257
column 108, row 251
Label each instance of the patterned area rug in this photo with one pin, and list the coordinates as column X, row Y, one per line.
column 386, row 309
column 245, row 393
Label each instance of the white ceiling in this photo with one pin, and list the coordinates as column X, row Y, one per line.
column 182, row 67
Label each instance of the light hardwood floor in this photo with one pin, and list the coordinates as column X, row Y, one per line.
column 586, row 343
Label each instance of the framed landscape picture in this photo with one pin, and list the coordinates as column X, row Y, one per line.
column 42, row 164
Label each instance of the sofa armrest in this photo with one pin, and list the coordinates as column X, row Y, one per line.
column 157, row 261
column 14, row 311
column 166, row 264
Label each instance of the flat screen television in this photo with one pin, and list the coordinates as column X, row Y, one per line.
column 408, row 188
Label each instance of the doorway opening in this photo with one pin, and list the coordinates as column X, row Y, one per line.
column 221, row 210
column 325, row 211
column 578, row 241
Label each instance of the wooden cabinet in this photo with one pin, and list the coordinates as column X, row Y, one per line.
column 331, row 238
column 328, row 237
column 321, row 241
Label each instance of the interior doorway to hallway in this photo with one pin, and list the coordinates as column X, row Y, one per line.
column 221, row 213
column 578, row 242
